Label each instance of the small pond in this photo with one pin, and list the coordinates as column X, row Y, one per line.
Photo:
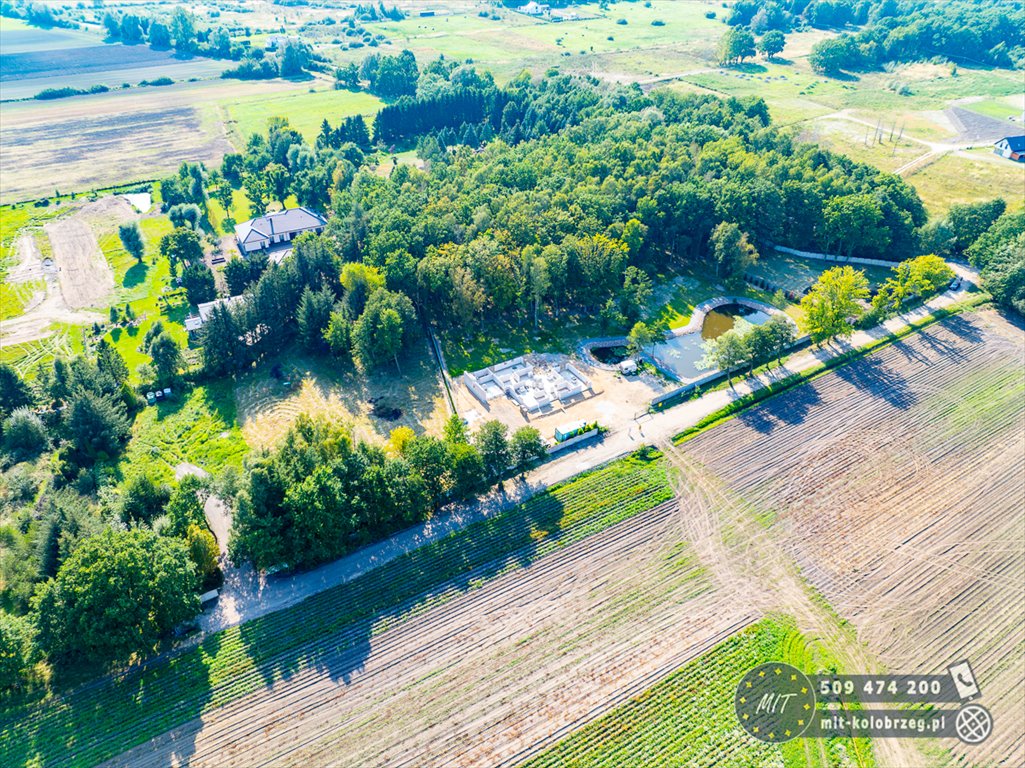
column 610, row 355
column 682, row 354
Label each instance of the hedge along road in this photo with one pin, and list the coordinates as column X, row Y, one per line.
column 245, row 595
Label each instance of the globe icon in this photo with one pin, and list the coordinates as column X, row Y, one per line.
column 973, row 724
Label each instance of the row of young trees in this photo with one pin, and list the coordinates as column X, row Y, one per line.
column 321, row 494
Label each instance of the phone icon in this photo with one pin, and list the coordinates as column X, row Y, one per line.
column 964, row 680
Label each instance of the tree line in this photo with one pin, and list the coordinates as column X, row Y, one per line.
column 321, row 494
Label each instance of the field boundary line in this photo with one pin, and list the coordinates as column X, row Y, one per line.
column 765, row 391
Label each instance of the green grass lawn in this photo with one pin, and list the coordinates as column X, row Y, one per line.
column 793, row 92
column 140, row 284
column 683, row 22
column 14, row 220
column 793, row 273
column 65, row 341
column 858, row 142
column 241, row 210
column 516, row 41
column 305, row 111
column 688, row 719
column 675, row 296
column 198, row 426
column 981, row 175
column 1000, row 108
column 90, row 725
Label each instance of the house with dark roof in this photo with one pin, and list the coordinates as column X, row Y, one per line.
column 278, row 227
column 1011, row 147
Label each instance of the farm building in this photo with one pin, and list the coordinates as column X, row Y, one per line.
column 533, row 386
column 279, row 227
column 193, row 323
column 1011, row 147
column 534, row 9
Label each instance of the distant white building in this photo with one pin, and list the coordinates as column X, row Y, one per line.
column 193, row 323
column 534, row 9
column 278, row 227
column 1011, row 147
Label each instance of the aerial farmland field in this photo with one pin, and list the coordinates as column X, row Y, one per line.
column 508, row 384
column 894, row 484
column 617, row 595
column 95, row 141
column 36, row 59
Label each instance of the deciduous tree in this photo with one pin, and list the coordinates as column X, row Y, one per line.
column 833, row 305
column 114, row 597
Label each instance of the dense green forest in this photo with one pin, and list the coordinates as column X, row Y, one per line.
column 583, row 191
column 972, row 32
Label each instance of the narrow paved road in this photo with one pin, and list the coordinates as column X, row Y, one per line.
column 246, row 595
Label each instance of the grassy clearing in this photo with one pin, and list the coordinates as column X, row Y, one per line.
column 94, row 723
column 688, row 718
column 14, row 220
column 200, row 429
column 690, row 289
column 140, row 284
column 64, row 341
column 304, row 110
column 802, row 94
column 1001, row 108
column 979, row 174
column 856, row 140
column 241, row 210
column 337, row 391
column 684, row 22
column 793, row 273
column 15, row 296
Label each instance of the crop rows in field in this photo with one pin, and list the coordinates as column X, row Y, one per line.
column 476, row 680
column 688, row 719
column 93, row 723
column 896, row 486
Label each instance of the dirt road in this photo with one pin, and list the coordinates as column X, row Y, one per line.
column 246, row 595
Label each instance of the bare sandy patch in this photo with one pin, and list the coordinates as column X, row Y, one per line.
column 86, row 279
column 267, row 408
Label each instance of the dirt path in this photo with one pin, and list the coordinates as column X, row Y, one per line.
column 86, row 279
column 80, row 278
column 246, row 596
column 764, row 579
column 486, row 678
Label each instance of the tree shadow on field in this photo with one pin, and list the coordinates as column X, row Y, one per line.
column 791, row 407
column 135, row 274
column 336, row 632
column 937, row 343
column 874, row 377
column 124, row 714
column 967, row 330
